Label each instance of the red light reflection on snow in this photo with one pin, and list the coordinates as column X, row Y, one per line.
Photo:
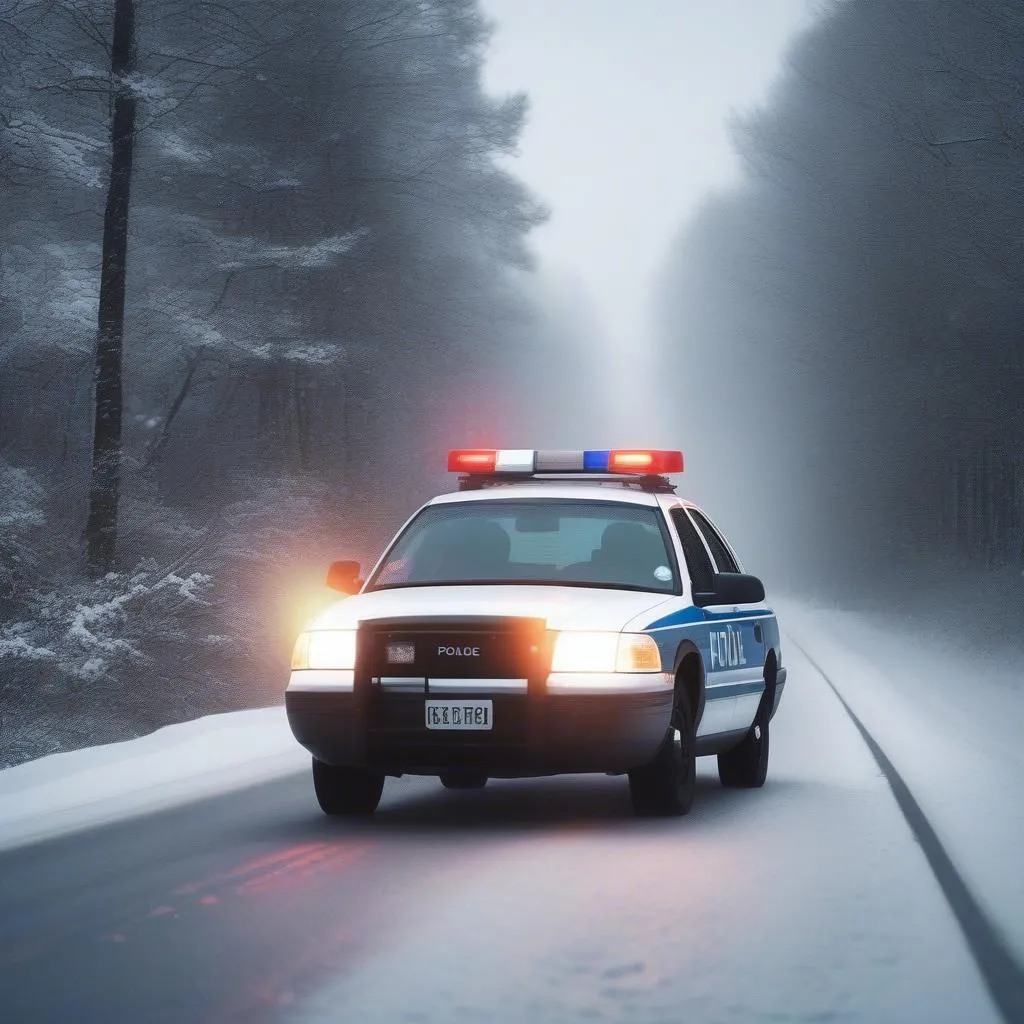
column 282, row 869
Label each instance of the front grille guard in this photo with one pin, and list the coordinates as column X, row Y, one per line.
column 529, row 638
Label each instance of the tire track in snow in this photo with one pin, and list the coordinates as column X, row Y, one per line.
column 999, row 968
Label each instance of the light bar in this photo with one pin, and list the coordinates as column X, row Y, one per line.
column 527, row 462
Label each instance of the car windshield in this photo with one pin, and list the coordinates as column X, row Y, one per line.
column 559, row 543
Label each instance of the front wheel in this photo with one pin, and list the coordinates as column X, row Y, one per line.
column 666, row 786
column 343, row 790
column 746, row 766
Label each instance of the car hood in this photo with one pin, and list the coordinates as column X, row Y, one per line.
column 561, row 607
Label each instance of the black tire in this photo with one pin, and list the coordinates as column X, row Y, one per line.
column 746, row 766
column 349, row 791
column 463, row 780
column 666, row 786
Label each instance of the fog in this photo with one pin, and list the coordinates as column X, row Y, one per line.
column 628, row 131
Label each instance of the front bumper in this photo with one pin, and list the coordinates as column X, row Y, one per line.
column 573, row 723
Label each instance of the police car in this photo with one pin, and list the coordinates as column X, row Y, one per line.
column 562, row 611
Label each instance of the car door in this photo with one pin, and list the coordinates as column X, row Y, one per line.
column 730, row 640
column 734, row 663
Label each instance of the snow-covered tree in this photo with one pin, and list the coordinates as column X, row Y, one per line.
column 323, row 278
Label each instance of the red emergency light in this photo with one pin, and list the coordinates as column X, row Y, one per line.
column 473, row 460
column 644, row 461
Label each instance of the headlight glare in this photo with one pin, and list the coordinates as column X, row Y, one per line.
column 585, row 652
column 605, row 652
column 325, row 649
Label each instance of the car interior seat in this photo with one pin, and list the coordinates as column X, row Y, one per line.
column 631, row 552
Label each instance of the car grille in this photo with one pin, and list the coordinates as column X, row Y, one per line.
column 399, row 658
column 437, row 648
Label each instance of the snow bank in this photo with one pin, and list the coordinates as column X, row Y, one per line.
column 950, row 717
column 174, row 765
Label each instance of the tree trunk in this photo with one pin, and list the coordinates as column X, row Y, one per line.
column 104, row 493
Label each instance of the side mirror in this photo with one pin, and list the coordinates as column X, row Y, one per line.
column 732, row 588
column 344, row 576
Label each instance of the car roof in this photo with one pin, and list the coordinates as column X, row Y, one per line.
column 557, row 490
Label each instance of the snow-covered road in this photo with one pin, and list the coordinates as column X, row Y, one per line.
column 540, row 900
column 950, row 717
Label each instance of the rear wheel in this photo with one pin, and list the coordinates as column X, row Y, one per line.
column 343, row 790
column 665, row 787
column 746, row 766
column 463, row 780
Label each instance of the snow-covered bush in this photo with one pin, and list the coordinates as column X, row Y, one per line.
column 93, row 630
column 92, row 661
column 204, row 625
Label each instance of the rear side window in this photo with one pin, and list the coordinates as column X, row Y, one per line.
column 724, row 560
column 697, row 561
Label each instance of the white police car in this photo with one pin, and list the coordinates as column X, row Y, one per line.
column 563, row 611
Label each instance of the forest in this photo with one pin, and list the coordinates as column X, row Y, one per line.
column 262, row 263
column 845, row 328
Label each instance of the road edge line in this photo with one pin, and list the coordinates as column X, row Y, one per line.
column 1000, row 970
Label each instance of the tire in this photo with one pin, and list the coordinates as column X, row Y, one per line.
column 665, row 787
column 746, row 766
column 463, row 780
column 341, row 790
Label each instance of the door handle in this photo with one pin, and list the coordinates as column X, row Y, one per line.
column 757, row 632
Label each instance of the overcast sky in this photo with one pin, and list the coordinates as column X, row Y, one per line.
column 628, row 126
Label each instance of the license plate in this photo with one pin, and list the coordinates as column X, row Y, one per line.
column 460, row 714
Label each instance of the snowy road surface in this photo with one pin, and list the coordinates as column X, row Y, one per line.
column 950, row 716
column 528, row 901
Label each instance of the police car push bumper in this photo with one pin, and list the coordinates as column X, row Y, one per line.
column 564, row 721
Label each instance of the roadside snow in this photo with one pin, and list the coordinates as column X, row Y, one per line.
column 177, row 764
column 950, row 717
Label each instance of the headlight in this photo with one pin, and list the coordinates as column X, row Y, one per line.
column 326, row 648
column 605, row 652
column 637, row 653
